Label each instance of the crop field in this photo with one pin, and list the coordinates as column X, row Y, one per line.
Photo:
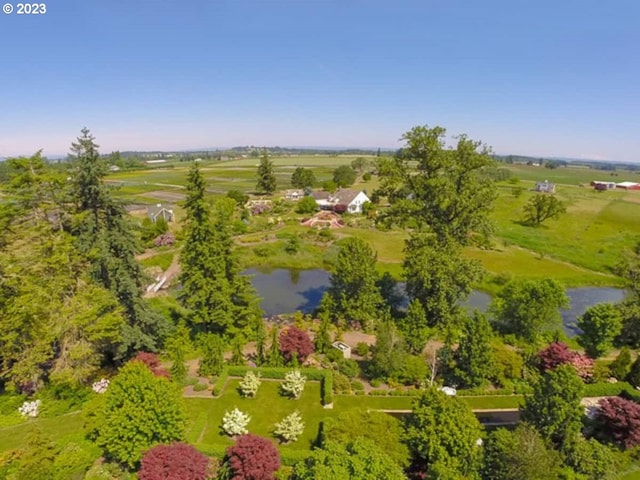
column 583, row 247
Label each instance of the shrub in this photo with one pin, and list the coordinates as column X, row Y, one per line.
column 293, row 384
column 164, row 240
column 152, row 361
column 199, row 387
column 290, row 428
column 618, row 420
column 376, row 382
column 362, row 349
column 177, row 461
column 366, row 177
column 349, row 368
column 252, row 458
column 558, row 353
column 357, row 386
column 250, row 384
column 621, row 366
column 235, row 422
column 293, row 340
column 341, row 383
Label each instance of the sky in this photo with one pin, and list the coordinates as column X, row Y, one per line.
column 542, row 78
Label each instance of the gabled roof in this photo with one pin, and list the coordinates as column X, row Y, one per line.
column 156, row 209
column 344, row 196
column 320, row 195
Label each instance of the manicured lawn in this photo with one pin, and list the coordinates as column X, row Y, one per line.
column 268, row 408
column 58, row 428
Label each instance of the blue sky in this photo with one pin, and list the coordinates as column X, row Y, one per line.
column 531, row 77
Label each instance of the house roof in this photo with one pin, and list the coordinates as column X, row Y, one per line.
column 296, row 191
column 320, row 195
column 156, row 209
column 345, row 196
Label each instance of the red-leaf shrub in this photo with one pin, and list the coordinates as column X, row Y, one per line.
column 152, row 361
column 253, row 458
column 618, row 420
column 295, row 340
column 339, row 208
column 558, row 353
column 177, row 461
column 164, row 240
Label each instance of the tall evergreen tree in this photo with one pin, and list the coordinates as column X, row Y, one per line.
column 105, row 237
column 266, row 177
column 218, row 298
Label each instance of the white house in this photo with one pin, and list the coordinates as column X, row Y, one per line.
column 352, row 200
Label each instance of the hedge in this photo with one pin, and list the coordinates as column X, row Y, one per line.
column 220, row 382
column 606, row 389
column 326, row 387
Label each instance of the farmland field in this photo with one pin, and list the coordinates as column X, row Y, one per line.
column 583, row 247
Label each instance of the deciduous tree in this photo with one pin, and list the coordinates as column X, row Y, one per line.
column 290, row 427
column 439, row 278
column 554, row 407
column 353, row 292
column 618, row 420
column 303, row 178
column 177, row 461
column 295, row 341
column 600, row 324
column 542, row 207
column 519, row 455
column 344, row 176
column 529, row 308
column 414, row 327
column 443, row 433
column 140, row 411
column 359, row 459
column 475, row 364
column 438, row 188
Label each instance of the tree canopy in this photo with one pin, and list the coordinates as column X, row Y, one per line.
column 442, row 189
column 359, row 459
column 600, row 325
column 353, row 294
column 529, row 308
column 303, row 178
column 443, row 433
column 140, row 411
column 344, row 176
column 554, row 407
column 105, row 237
column 542, row 207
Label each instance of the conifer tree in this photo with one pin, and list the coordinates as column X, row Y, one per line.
column 218, row 298
column 266, row 178
column 105, row 237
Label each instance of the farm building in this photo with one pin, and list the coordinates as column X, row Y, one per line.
column 294, row 195
column 628, row 185
column 599, row 185
column 545, row 187
column 352, row 200
column 160, row 211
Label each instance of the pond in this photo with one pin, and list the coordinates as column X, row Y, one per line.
column 285, row 291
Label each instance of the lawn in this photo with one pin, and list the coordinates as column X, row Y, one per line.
column 269, row 407
column 59, row 428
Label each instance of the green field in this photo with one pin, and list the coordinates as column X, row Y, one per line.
column 582, row 248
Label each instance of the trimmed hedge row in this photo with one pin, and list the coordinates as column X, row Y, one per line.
column 220, row 382
column 606, row 389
